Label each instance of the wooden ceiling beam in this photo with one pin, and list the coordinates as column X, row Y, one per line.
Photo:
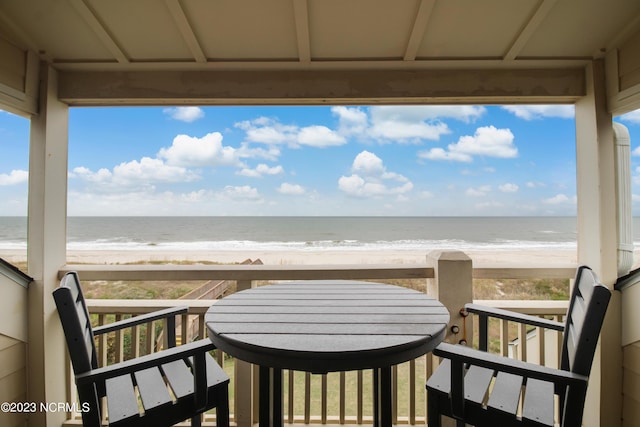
column 178, row 15
column 419, row 28
column 529, row 29
column 89, row 16
column 301, row 16
column 321, row 87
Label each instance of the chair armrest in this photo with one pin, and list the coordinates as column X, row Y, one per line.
column 138, row 320
column 462, row 354
column 513, row 316
column 99, row 375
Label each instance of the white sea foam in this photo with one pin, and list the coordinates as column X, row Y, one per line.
column 320, row 245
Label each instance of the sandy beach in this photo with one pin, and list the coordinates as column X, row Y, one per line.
column 307, row 257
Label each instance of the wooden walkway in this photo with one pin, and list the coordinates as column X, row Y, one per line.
column 215, row 289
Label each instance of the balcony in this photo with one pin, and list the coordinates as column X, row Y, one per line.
column 335, row 398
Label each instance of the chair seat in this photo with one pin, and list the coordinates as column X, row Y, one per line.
column 496, row 396
column 163, row 392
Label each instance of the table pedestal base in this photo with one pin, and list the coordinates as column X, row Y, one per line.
column 271, row 405
column 382, row 397
column 271, row 409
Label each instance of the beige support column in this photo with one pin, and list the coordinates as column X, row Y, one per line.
column 453, row 287
column 46, row 250
column 597, row 240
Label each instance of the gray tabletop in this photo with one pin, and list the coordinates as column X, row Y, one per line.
column 329, row 325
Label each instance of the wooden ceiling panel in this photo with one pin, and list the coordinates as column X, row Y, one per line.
column 244, row 29
column 126, row 35
column 464, row 29
column 580, row 28
column 360, row 28
column 56, row 31
column 158, row 39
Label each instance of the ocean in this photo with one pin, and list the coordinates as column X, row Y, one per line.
column 307, row 233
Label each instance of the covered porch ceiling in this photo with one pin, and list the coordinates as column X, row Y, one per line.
column 314, row 51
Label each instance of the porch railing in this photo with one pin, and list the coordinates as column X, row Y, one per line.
column 336, row 398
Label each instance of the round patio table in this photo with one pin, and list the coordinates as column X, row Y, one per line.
column 325, row 326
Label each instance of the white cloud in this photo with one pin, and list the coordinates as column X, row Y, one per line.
column 371, row 179
column 184, row 114
column 407, row 132
column 150, row 170
column 103, row 175
column 487, row 141
column 291, row 189
column 440, row 154
column 352, row 120
column 145, row 172
column 320, row 136
column 421, row 113
column 632, row 117
column 404, row 124
column 244, row 192
column 478, row 191
column 508, row 188
column 534, row 112
column 271, row 132
column 368, row 164
column 15, row 177
column 261, row 170
column 265, row 130
column 532, row 184
column 557, row 199
column 206, row 151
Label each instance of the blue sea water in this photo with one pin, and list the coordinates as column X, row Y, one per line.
column 306, row 233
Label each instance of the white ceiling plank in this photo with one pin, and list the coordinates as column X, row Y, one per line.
column 23, row 39
column 301, row 13
column 186, row 30
column 419, row 28
column 529, row 29
column 100, row 31
column 625, row 33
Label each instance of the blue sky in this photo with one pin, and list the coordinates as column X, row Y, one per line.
column 375, row 160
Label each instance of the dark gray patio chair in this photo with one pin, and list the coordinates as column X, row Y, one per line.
column 159, row 389
column 483, row 389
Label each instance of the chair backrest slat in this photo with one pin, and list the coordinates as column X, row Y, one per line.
column 587, row 308
column 76, row 323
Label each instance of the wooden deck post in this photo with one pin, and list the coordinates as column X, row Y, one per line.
column 453, row 287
